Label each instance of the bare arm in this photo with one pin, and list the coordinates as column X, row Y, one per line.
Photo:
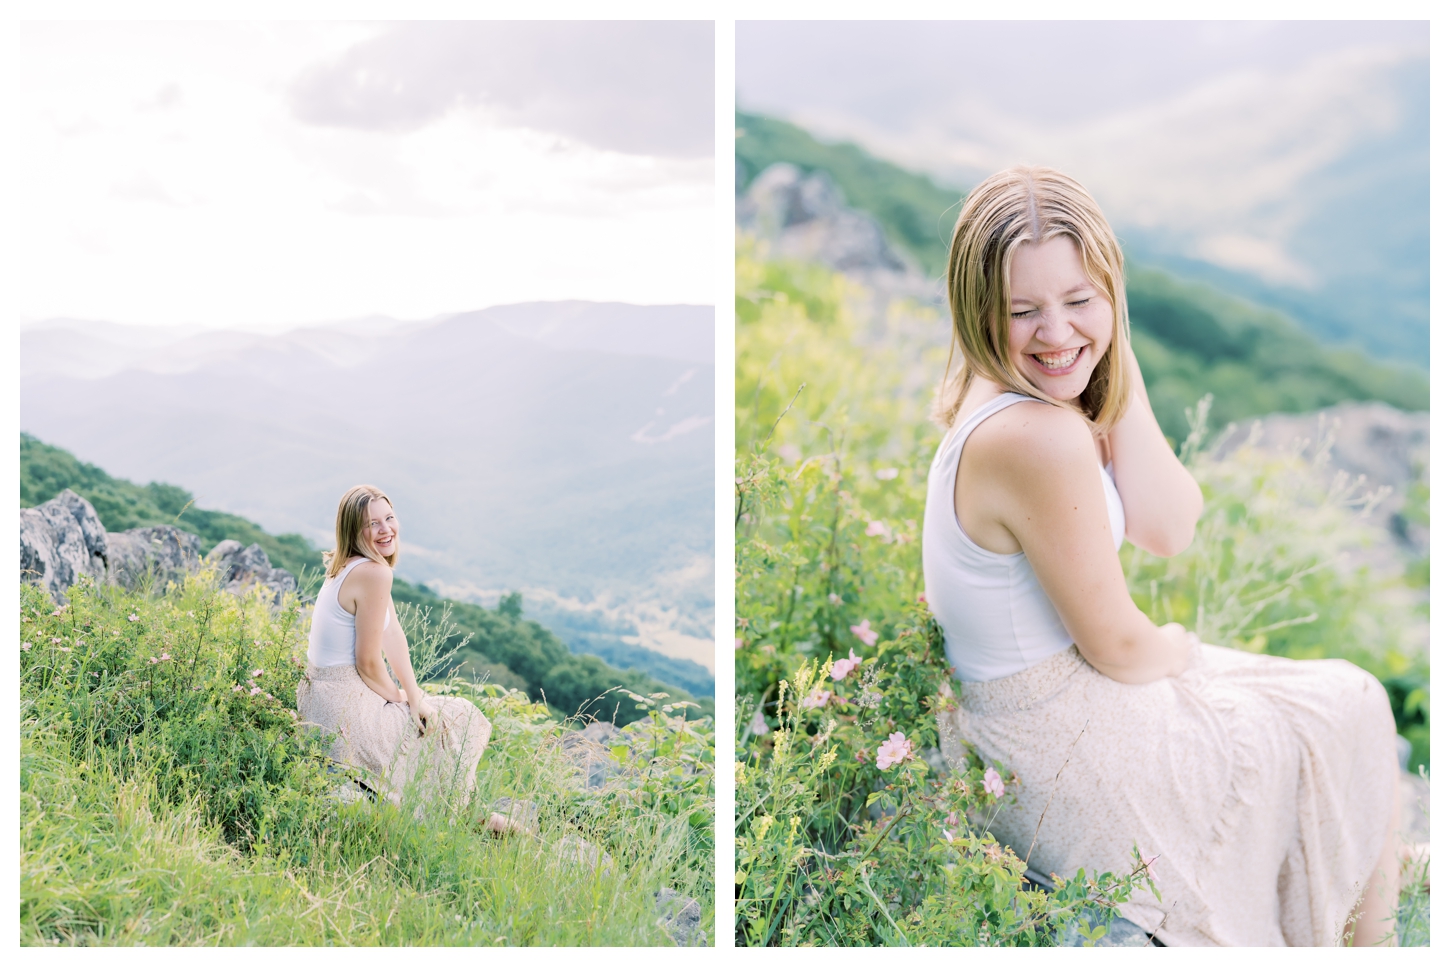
column 1161, row 500
column 1045, row 489
column 370, row 586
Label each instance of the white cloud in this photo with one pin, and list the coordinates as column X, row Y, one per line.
column 168, row 181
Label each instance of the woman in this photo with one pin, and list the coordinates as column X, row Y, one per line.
column 398, row 736
column 1264, row 787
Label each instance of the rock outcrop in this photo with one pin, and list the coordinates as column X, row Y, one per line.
column 239, row 568
column 63, row 540
column 60, row 541
column 805, row 216
column 160, row 554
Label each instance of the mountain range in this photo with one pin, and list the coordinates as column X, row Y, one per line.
column 562, row 449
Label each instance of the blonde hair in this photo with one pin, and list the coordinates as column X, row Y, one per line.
column 1012, row 208
column 352, row 518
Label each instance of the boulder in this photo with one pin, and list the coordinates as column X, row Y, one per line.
column 588, row 751
column 679, row 915
column 61, row 540
column 159, row 554
column 239, row 568
column 805, row 216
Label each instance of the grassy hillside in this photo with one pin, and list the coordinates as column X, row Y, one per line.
column 162, row 802
column 501, row 644
column 1190, row 338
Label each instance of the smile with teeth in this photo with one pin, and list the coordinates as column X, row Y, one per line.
column 1061, row 359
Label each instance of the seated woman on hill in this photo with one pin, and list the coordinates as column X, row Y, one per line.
column 397, row 736
column 1264, row 789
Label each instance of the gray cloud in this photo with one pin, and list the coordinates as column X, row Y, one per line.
column 640, row 87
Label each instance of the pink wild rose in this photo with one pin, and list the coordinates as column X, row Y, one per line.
column 895, row 749
column 876, row 529
column 992, row 782
column 845, row 666
column 758, row 726
column 1148, row 868
column 864, row 632
column 818, row 698
column 255, row 691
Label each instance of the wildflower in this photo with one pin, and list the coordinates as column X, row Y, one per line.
column 834, row 598
column 256, row 673
column 789, row 452
column 947, row 835
column 132, row 617
column 921, row 599
column 887, row 473
column 1148, row 868
column 269, row 695
column 64, row 648
column 952, row 819
column 255, row 691
column 845, row 666
column 152, row 660
column 864, row 632
column 56, row 641
column 56, row 612
column 876, row 529
column 757, row 724
column 818, row 698
column 895, row 749
column 992, row 782
column 165, row 656
column 236, row 688
column 25, row 646
column 739, row 643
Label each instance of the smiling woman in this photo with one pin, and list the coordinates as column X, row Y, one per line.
column 402, row 739
column 1262, row 787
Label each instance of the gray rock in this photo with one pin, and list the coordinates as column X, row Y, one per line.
column 160, row 554
column 804, row 216
column 239, row 568
column 680, row 916
column 578, row 851
column 61, row 540
column 588, row 750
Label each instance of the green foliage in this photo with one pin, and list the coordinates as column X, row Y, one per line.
column 510, row 649
column 1190, row 339
column 833, row 448
column 162, row 802
column 46, row 470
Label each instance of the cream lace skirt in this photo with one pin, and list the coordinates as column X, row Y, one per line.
column 1265, row 785
column 378, row 736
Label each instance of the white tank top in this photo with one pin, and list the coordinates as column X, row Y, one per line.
column 333, row 638
column 995, row 617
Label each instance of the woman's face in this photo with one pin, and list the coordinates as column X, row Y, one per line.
column 380, row 531
column 1061, row 322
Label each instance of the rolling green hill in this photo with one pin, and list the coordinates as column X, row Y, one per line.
column 511, row 649
column 1190, row 338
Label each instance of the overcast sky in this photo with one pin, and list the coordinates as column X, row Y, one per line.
column 1237, row 141
column 265, row 175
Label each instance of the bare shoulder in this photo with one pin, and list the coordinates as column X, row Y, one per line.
column 1033, row 443
column 370, row 577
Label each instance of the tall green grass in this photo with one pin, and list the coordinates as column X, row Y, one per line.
column 164, row 803
column 832, row 846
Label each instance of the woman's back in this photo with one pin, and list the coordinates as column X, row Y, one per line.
column 333, row 638
column 993, row 611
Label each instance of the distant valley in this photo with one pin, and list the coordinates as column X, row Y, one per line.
column 564, row 450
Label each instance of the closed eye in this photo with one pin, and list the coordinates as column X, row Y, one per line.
column 1081, row 302
column 1023, row 314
